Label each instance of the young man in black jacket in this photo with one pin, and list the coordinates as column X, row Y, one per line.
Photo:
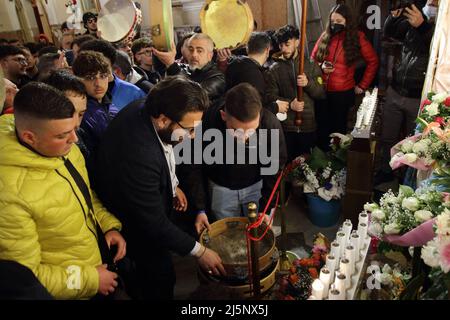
column 242, row 161
column 415, row 30
column 135, row 178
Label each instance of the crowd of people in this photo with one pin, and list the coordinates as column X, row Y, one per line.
column 90, row 182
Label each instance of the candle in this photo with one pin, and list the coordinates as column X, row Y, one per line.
column 350, row 255
column 354, row 240
column 317, row 289
column 363, row 218
column 347, row 229
column 325, row 277
column 331, row 265
column 335, row 250
column 340, row 281
column 340, row 238
column 344, row 269
column 335, row 294
column 362, row 232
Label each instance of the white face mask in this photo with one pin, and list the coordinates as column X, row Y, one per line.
column 430, row 12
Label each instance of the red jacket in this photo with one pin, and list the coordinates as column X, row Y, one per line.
column 342, row 79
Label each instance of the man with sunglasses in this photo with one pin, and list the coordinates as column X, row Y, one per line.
column 14, row 64
column 90, row 24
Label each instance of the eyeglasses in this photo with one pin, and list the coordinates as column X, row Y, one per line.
column 190, row 130
column 148, row 53
column 92, row 20
column 92, row 77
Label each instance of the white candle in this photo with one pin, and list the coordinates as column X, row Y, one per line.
column 317, row 289
column 363, row 218
column 334, row 294
column 344, row 269
column 325, row 277
column 340, row 238
column 340, row 281
column 350, row 255
column 331, row 265
column 347, row 228
column 354, row 240
column 362, row 232
column 335, row 250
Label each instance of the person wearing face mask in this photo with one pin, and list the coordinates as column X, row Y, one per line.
column 337, row 51
column 413, row 29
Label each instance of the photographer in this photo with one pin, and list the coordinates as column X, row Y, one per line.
column 414, row 30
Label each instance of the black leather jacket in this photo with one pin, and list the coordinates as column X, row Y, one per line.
column 409, row 73
column 209, row 77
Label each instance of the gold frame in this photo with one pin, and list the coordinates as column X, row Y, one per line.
column 94, row 5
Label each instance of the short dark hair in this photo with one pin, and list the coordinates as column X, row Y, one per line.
column 65, row 26
column 82, row 39
column 176, row 96
column 64, row 81
column 102, row 46
column 47, row 49
column 13, row 40
column 32, row 47
column 123, row 62
column 7, row 51
column 243, row 102
column 140, row 44
column 258, row 42
column 181, row 42
column 287, row 33
column 90, row 63
column 40, row 101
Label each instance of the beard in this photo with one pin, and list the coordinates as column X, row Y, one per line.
column 166, row 135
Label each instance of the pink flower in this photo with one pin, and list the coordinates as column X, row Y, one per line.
column 426, row 102
column 444, row 252
column 440, row 120
column 447, row 102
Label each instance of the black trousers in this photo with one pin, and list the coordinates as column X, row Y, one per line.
column 299, row 143
column 332, row 115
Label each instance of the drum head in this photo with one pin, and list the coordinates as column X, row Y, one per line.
column 161, row 23
column 117, row 19
column 228, row 22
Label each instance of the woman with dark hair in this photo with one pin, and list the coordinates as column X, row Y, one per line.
column 337, row 51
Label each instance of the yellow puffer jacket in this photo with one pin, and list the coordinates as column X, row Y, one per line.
column 42, row 220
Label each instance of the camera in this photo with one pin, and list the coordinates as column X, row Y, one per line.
column 402, row 4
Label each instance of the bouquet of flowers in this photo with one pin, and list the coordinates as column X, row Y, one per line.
column 435, row 109
column 325, row 173
column 406, row 219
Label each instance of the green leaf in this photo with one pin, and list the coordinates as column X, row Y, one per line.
column 413, row 288
column 318, row 160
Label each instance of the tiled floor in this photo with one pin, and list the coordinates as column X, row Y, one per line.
column 300, row 235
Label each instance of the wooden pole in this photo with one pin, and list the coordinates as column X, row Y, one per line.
column 301, row 63
column 254, row 252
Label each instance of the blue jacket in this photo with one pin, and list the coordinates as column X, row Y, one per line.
column 95, row 121
column 123, row 93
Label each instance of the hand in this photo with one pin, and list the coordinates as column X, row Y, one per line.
column 202, row 223
column 396, row 13
column 328, row 70
column 99, row 34
column 267, row 221
column 283, row 106
column 180, row 201
column 358, row 90
column 113, row 238
column 211, row 263
column 414, row 16
column 167, row 58
column 302, row 80
column 297, row 106
column 106, row 280
column 62, row 62
column 223, row 54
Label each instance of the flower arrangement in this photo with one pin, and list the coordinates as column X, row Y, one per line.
column 408, row 214
column 324, row 173
column 435, row 109
column 297, row 284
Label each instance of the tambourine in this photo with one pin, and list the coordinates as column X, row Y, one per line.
column 229, row 23
column 161, row 22
column 118, row 20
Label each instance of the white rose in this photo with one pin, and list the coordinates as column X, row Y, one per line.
column 370, row 207
column 443, row 223
column 430, row 254
column 391, row 228
column 407, row 146
column 410, row 157
column 386, row 279
column 410, row 203
column 423, row 215
column 375, row 229
column 433, row 109
column 378, row 214
column 440, row 97
column 386, row 269
column 420, row 147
